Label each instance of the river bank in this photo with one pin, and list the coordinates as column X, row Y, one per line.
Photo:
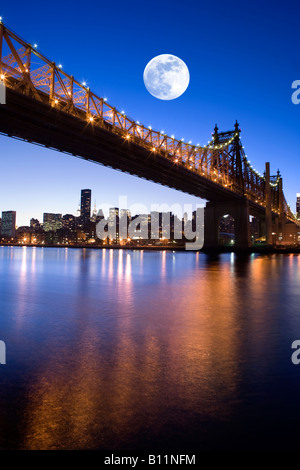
column 221, row 249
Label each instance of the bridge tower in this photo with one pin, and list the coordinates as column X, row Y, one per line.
column 237, row 208
column 268, row 206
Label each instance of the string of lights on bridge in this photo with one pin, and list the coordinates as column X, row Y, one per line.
column 133, row 129
column 210, row 145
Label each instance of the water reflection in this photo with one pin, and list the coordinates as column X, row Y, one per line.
column 128, row 349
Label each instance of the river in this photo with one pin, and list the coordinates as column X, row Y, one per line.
column 161, row 350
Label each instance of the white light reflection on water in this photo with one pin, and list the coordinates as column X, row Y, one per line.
column 128, row 349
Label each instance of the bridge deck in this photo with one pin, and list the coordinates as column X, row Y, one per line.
column 37, row 122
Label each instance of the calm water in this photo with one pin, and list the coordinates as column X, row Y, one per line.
column 148, row 350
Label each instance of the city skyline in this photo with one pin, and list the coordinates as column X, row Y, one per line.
column 86, row 213
column 119, row 227
column 54, row 176
column 105, row 209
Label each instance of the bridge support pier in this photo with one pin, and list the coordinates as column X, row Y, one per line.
column 239, row 210
column 268, row 206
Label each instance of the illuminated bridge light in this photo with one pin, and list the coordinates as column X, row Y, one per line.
column 160, row 143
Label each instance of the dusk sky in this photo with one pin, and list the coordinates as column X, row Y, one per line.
column 242, row 58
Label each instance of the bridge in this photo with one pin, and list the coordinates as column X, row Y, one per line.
column 46, row 106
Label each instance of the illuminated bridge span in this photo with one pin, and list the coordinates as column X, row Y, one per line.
column 45, row 105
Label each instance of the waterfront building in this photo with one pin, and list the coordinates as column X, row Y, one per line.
column 8, row 224
column 85, row 205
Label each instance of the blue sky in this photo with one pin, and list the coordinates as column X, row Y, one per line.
column 242, row 58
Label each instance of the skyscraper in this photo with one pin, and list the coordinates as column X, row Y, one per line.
column 298, row 205
column 51, row 217
column 69, row 221
column 113, row 223
column 85, row 209
column 51, row 222
column 8, row 226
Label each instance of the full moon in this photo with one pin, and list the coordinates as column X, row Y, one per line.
column 166, row 77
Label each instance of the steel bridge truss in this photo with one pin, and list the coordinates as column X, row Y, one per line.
column 222, row 160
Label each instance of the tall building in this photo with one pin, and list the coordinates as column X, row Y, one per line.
column 85, row 206
column 155, row 225
column 298, row 205
column 8, row 225
column 126, row 214
column 69, row 221
column 113, row 223
column 124, row 219
column 52, row 222
column 51, row 217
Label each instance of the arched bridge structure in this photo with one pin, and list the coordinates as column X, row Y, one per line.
column 47, row 106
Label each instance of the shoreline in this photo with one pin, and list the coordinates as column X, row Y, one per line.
column 217, row 250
